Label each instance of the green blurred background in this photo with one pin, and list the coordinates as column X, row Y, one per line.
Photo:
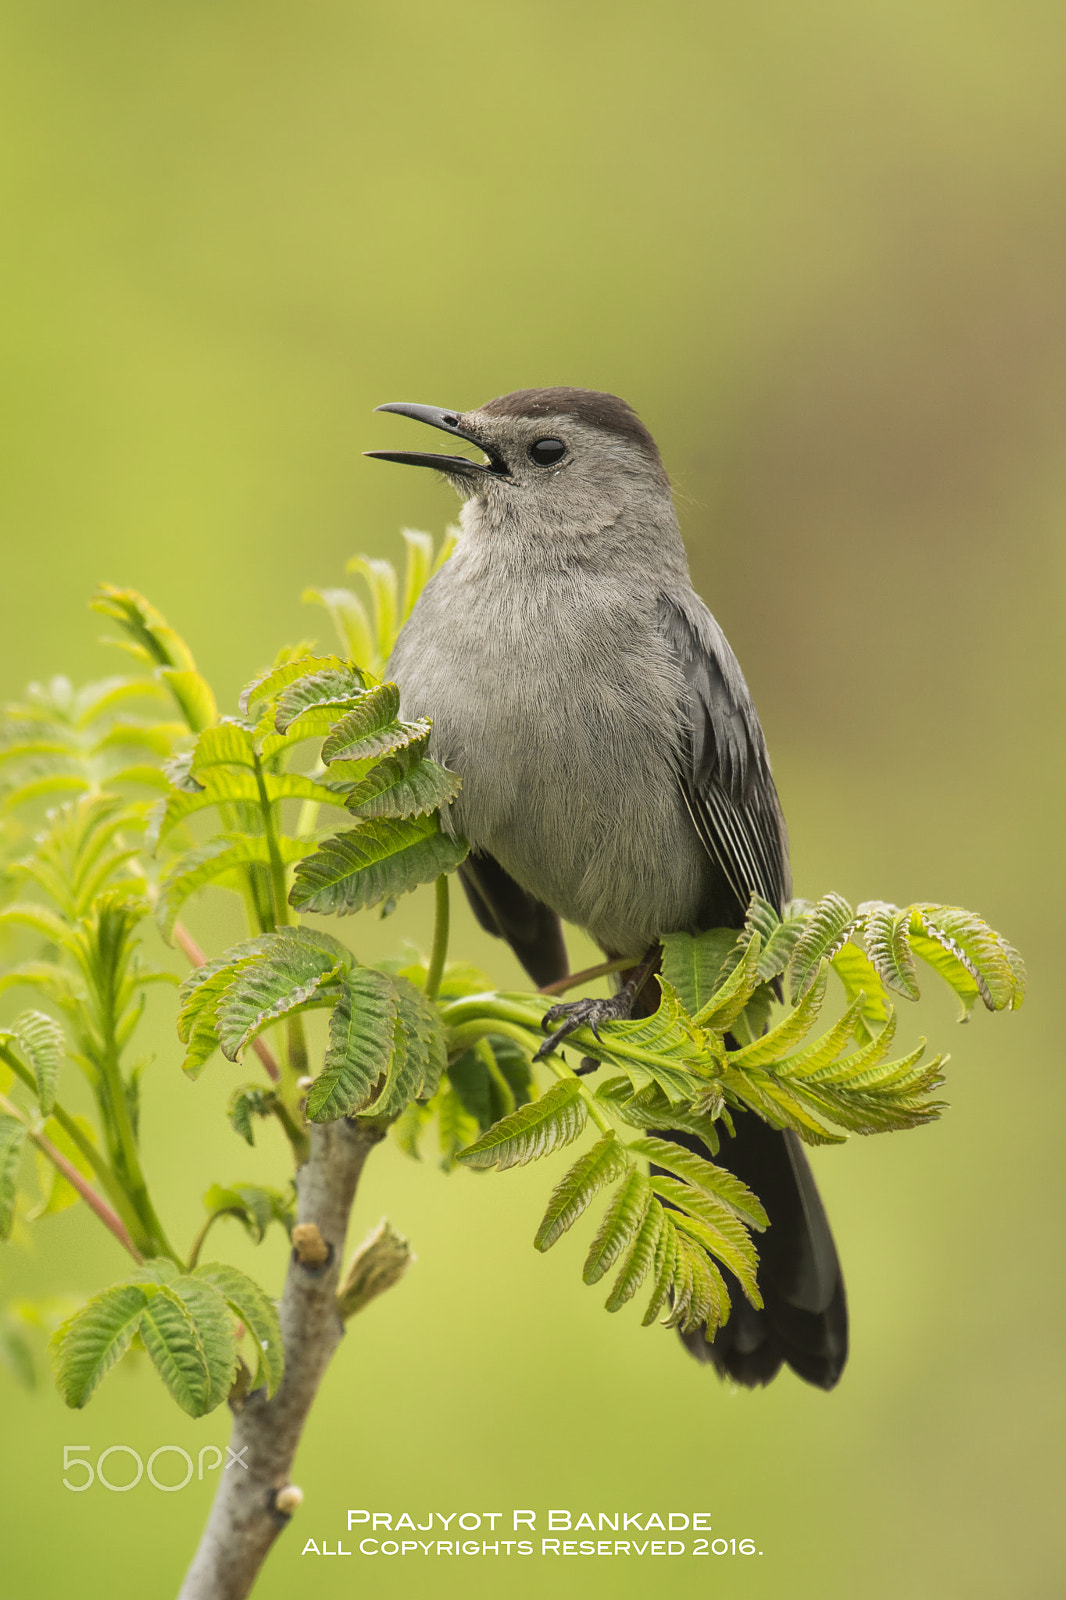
column 821, row 248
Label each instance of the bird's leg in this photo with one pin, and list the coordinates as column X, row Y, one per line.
column 590, row 1013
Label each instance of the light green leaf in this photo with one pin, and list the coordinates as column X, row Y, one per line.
column 968, row 955
column 692, row 964
column 794, row 1026
column 334, row 690
column 722, row 1185
column 621, row 1223
column 89, row 1343
column 827, row 927
column 716, row 1229
column 534, row 1130
column 734, row 993
column 638, row 1259
column 193, row 695
column 272, row 683
column 349, row 618
column 575, row 1191
column 361, row 1042
column 259, row 1315
column 153, row 639
column 885, row 937
column 43, row 1045
column 363, row 865
column 266, row 990
column 226, row 745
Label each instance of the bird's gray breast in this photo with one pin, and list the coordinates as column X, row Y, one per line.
column 559, row 705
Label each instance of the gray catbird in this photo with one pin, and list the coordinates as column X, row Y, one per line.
column 614, row 770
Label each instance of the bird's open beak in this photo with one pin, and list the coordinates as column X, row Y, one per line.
column 448, row 422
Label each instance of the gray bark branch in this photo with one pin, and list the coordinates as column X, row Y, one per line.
column 245, row 1519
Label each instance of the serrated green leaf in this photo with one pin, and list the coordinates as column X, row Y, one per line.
column 637, row 1260
column 359, row 867
column 273, row 682
column 726, row 1004
column 827, row 927
column 664, row 1268
column 692, row 964
column 718, row 1231
column 700, row 1295
column 212, row 862
column 266, row 990
column 718, row 1182
column 575, row 1191
column 885, row 936
column 252, row 1205
column 380, row 578
column 534, row 1130
column 189, row 1336
column 349, row 618
column 398, row 786
column 968, row 955
column 88, row 1344
column 229, row 744
column 334, row 690
column 455, row 1125
column 621, row 1223
column 793, row 1027
column 12, row 1139
column 376, row 712
column 419, row 1054
column 861, row 979
column 650, row 1108
column 43, row 1045
column 154, row 640
column 193, row 695
column 361, row 1042
column 259, row 1315
column 245, row 1103
column 224, row 785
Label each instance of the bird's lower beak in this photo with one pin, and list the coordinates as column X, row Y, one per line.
column 449, row 422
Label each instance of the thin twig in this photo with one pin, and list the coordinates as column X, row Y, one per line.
column 77, row 1181
column 573, row 979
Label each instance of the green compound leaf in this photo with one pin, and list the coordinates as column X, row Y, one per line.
column 789, row 1031
column 827, row 927
column 862, row 983
column 885, row 937
column 620, row 1225
column 12, row 1139
column 89, row 1343
column 382, row 858
column 220, row 861
column 361, row 1044
column 575, row 1191
column 257, row 1312
column 534, row 1130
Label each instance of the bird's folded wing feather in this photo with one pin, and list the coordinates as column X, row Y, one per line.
column 724, row 770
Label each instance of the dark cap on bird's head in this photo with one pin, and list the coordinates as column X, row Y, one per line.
column 545, row 427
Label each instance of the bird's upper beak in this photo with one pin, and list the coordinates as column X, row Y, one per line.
column 448, row 422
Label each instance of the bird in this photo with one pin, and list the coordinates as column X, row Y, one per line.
column 614, row 771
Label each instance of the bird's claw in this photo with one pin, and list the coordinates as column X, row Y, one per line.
column 574, row 1014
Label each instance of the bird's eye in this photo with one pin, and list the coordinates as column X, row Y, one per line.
column 546, row 452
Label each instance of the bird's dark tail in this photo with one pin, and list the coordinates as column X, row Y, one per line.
column 804, row 1318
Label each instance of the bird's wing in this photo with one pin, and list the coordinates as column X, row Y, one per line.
column 502, row 907
column 725, row 772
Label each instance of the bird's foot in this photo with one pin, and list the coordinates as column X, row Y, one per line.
column 573, row 1014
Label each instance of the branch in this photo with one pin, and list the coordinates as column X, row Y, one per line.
column 252, row 1506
